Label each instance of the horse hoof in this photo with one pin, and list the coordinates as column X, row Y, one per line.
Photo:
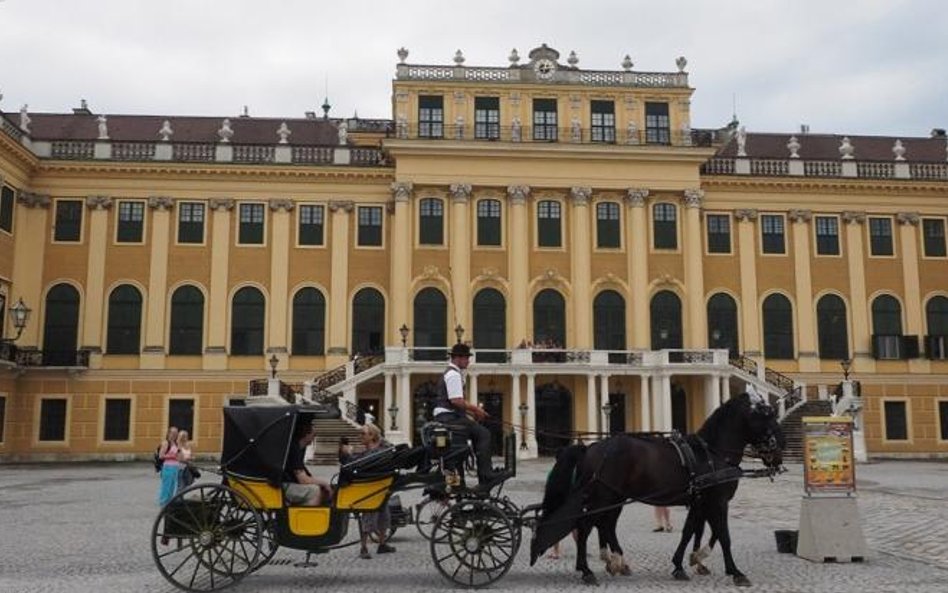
column 625, row 571
column 742, row 581
column 679, row 574
column 702, row 570
column 590, row 579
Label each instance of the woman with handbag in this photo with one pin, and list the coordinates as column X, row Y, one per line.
column 168, row 454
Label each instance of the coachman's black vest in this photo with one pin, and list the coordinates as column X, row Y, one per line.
column 441, row 399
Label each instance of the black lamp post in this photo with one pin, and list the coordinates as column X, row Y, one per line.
column 524, row 408
column 20, row 314
column 459, row 332
column 846, row 364
column 403, row 330
column 274, row 361
column 393, row 414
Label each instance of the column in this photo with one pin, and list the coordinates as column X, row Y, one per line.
column 638, row 266
column 747, row 246
column 30, row 237
column 862, row 359
column 806, row 329
column 400, row 260
column 532, row 415
column 604, row 399
column 472, row 388
column 908, row 233
column 725, row 392
column 215, row 355
column 712, row 394
column 697, row 334
column 580, row 251
column 513, row 406
column 153, row 356
column 645, row 408
column 279, row 278
column 97, row 236
column 459, row 244
column 592, row 409
column 403, row 398
column 339, row 281
column 661, row 387
column 518, row 252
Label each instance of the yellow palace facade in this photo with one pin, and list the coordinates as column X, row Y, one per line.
column 613, row 267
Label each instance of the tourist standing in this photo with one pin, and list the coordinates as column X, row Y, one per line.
column 168, row 453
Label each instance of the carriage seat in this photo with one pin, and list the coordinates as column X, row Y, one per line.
column 444, row 441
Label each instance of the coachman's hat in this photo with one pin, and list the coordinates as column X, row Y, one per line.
column 460, row 349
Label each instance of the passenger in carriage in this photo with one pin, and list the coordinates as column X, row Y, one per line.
column 301, row 487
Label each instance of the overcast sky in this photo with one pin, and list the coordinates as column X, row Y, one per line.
column 855, row 67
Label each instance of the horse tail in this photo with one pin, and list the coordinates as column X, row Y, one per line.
column 560, row 481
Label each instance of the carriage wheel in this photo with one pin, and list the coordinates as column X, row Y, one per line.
column 512, row 511
column 473, row 544
column 268, row 540
column 427, row 514
column 206, row 538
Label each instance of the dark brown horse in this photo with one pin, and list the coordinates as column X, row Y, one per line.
column 588, row 484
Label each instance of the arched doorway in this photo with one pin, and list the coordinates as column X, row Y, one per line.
column 666, row 320
column 609, row 324
column 490, row 325
column 368, row 322
column 554, row 417
column 549, row 319
column 722, row 323
column 431, row 325
column 61, row 326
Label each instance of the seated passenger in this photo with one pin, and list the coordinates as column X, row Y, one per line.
column 301, row 487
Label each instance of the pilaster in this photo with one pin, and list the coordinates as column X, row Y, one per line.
column 460, row 253
column 153, row 356
column 697, row 334
column 908, row 235
column 748, row 265
column 638, row 266
column 30, row 237
column 580, row 250
column 97, row 236
column 803, row 287
column 339, row 283
column 400, row 261
column 215, row 354
column 861, row 355
column 518, row 255
column 279, row 277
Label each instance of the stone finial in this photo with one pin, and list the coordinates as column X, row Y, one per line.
column 401, row 191
column 517, row 194
column 162, row 203
column 165, row 132
column 693, row 197
column 402, row 55
column 898, row 150
column 793, row 145
column 573, row 59
column 514, row 57
column 460, row 192
column 742, row 141
column 25, row 118
column 846, row 149
column 103, row 127
column 284, row 133
column 681, row 63
column 342, row 131
column 636, row 196
column 627, row 63
column 226, row 132
column 459, row 58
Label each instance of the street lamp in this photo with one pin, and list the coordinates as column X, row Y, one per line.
column 846, row 364
column 607, row 412
column 20, row 314
column 393, row 414
column 524, row 408
column 403, row 330
column 459, row 332
column 274, row 361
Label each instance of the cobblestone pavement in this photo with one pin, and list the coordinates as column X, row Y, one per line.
column 86, row 527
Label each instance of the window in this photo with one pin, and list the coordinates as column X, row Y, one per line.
column 657, row 124
column 548, row 224
column 309, row 322
column 118, row 413
column 664, row 226
column 488, row 222
column 247, row 322
column 778, row 328
column 607, row 225
column 131, row 222
column 896, row 421
column 430, row 116
column 3, row 416
column 942, row 421
column 370, row 226
column 61, row 326
column 609, row 321
column 6, row 208
column 832, row 328
column 544, row 119
column 251, row 224
column 936, row 318
column 52, row 420
column 880, row 236
column 311, row 225
column 603, row 119
column 125, row 321
column 933, row 231
column 665, row 313
column 772, row 237
column 368, row 321
column 827, row 235
column 549, row 319
column 486, row 118
column 431, row 324
column 181, row 415
column 187, row 321
column 887, row 339
column 719, row 233
column 490, row 325
column 68, row 220
column 722, row 323
column 191, row 222
column 431, row 222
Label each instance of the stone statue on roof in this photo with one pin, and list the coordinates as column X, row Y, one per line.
column 103, row 127
column 226, row 132
column 284, row 133
column 343, row 131
column 25, row 119
column 741, row 141
column 165, row 132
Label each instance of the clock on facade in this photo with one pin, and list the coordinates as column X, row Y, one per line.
column 544, row 68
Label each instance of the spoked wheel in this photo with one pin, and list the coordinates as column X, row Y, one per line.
column 473, row 544
column 427, row 514
column 512, row 511
column 206, row 538
column 268, row 541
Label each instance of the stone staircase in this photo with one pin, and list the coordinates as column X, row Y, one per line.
column 793, row 426
column 326, row 444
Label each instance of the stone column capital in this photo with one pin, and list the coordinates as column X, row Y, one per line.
column 99, row 202
column 222, row 204
column 460, row 192
column 693, row 197
column 745, row 214
column 33, row 200
column 800, row 215
column 518, row 194
column 854, row 217
column 635, row 196
column 284, row 204
column 344, row 205
column 401, row 191
column 580, row 195
column 162, row 203
column 906, row 218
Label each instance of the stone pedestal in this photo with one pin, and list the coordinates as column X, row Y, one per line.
column 831, row 530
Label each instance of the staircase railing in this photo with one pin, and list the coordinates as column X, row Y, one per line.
column 324, row 382
column 745, row 364
column 792, row 394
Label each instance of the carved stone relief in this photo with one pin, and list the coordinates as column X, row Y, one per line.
column 162, row 203
column 99, row 202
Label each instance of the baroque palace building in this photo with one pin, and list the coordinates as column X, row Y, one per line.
column 613, row 267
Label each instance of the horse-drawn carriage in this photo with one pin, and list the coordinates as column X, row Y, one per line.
column 212, row 535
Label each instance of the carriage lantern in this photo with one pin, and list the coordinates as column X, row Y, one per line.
column 20, row 314
column 524, row 408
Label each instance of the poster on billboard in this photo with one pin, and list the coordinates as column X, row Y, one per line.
column 828, row 463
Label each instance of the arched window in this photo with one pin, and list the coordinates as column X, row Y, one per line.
column 666, row 320
column 609, row 321
column 549, row 319
column 722, row 323
column 778, row 327
column 247, row 322
column 309, row 322
column 832, row 328
column 431, row 221
column 61, row 327
column 490, row 324
column 187, row 321
column 431, row 324
column 368, row 322
column 887, row 342
column 936, row 318
column 125, row 321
